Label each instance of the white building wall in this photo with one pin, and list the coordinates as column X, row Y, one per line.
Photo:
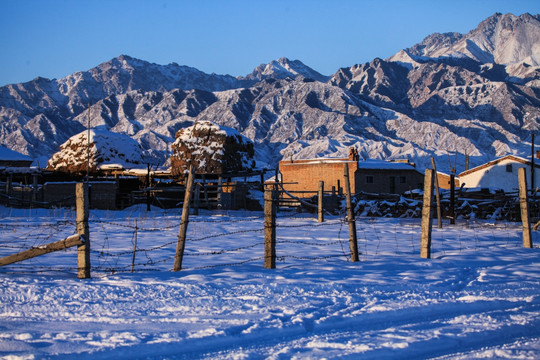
column 498, row 177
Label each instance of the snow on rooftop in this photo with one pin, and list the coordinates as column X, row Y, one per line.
column 510, row 157
column 11, row 155
column 362, row 164
column 110, row 167
column 318, row 161
column 385, row 165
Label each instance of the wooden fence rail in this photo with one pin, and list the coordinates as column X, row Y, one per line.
column 70, row 241
column 81, row 239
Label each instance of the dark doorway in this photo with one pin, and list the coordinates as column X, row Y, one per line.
column 392, row 184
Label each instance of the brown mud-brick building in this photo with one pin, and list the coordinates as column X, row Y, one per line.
column 444, row 180
column 371, row 176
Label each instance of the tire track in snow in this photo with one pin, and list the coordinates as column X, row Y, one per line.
column 360, row 332
column 423, row 348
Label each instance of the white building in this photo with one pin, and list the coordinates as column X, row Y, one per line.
column 501, row 173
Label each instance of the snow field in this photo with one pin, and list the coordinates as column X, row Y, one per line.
column 477, row 297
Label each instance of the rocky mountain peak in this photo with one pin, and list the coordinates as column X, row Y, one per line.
column 435, row 42
column 284, row 68
column 511, row 22
column 502, row 39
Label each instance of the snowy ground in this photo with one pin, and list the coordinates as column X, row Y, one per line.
column 478, row 297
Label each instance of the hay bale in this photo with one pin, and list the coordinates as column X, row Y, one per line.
column 105, row 148
column 213, row 149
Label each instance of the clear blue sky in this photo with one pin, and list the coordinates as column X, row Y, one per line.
column 56, row 38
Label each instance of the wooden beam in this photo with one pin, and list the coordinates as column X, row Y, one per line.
column 73, row 240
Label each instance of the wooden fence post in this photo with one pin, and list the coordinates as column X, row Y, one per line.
column 205, row 189
column 524, row 205
column 437, row 194
column 134, row 248
column 269, row 229
column 9, row 188
column 83, row 251
column 197, row 199
column 353, row 242
column 452, row 199
column 9, row 184
column 427, row 217
column 181, row 243
column 34, row 187
column 320, row 208
column 219, row 192
column 148, row 202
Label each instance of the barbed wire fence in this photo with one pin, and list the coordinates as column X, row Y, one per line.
column 136, row 240
column 214, row 242
column 234, row 241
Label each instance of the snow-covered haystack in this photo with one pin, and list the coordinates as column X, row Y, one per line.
column 213, row 149
column 107, row 150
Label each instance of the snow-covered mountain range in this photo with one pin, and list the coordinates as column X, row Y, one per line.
column 452, row 94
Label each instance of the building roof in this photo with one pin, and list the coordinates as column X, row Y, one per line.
column 496, row 161
column 315, row 161
column 368, row 164
column 11, row 155
column 384, row 165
